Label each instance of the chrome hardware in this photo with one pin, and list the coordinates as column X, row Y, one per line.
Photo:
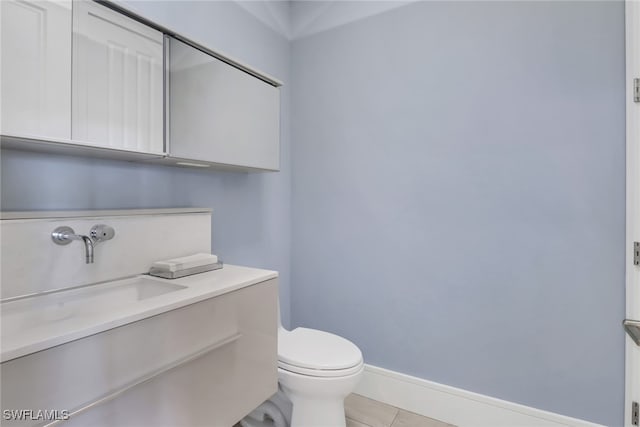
column 60, row 235
column 636, row 253
column 633, row 329
column 64, row 235
column 99, row 233
column 636, row 90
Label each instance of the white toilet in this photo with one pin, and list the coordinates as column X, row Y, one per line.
column 316, row 371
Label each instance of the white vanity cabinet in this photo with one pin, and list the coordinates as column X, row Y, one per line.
column 117, row 80
column 36, row 68
column 219, row 113
column 205, row 364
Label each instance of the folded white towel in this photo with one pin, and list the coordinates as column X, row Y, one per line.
column 183, row 263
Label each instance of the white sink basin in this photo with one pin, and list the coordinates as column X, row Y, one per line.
column 43, row 310
column 38, row 322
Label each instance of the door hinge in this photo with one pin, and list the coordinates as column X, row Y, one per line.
column 635, row 413
column 636, row 253
column 636, row 90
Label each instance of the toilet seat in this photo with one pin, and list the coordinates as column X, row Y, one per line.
column 321, row 373
column 317, row 353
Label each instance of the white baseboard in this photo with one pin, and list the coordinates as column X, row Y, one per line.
column 453, row 405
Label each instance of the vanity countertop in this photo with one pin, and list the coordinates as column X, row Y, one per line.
column 19, row 339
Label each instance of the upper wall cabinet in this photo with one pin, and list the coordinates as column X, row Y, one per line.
column 219, row 113
column 79, row 77
column 36, row 68
column 117, row 80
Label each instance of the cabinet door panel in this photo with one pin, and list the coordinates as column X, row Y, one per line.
column 118, row 80
column 36, row 68
column 221, row 114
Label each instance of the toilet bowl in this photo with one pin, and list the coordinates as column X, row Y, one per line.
column 316, row 371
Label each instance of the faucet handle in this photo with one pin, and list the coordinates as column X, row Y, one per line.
column 102, row 232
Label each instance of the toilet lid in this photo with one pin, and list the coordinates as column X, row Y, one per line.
column 318, row 350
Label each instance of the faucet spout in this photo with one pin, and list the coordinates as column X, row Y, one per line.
column 65, row 235
column 88, row 249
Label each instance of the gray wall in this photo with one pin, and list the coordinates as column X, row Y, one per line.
column 458, row 196
column 251, row 219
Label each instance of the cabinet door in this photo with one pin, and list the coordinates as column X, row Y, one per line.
column 36, row 68
column 117, row 80
column 219, row 113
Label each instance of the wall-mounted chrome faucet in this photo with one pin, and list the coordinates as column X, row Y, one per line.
column 99, row 233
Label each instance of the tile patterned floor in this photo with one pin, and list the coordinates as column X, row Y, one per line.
column 364, row 412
